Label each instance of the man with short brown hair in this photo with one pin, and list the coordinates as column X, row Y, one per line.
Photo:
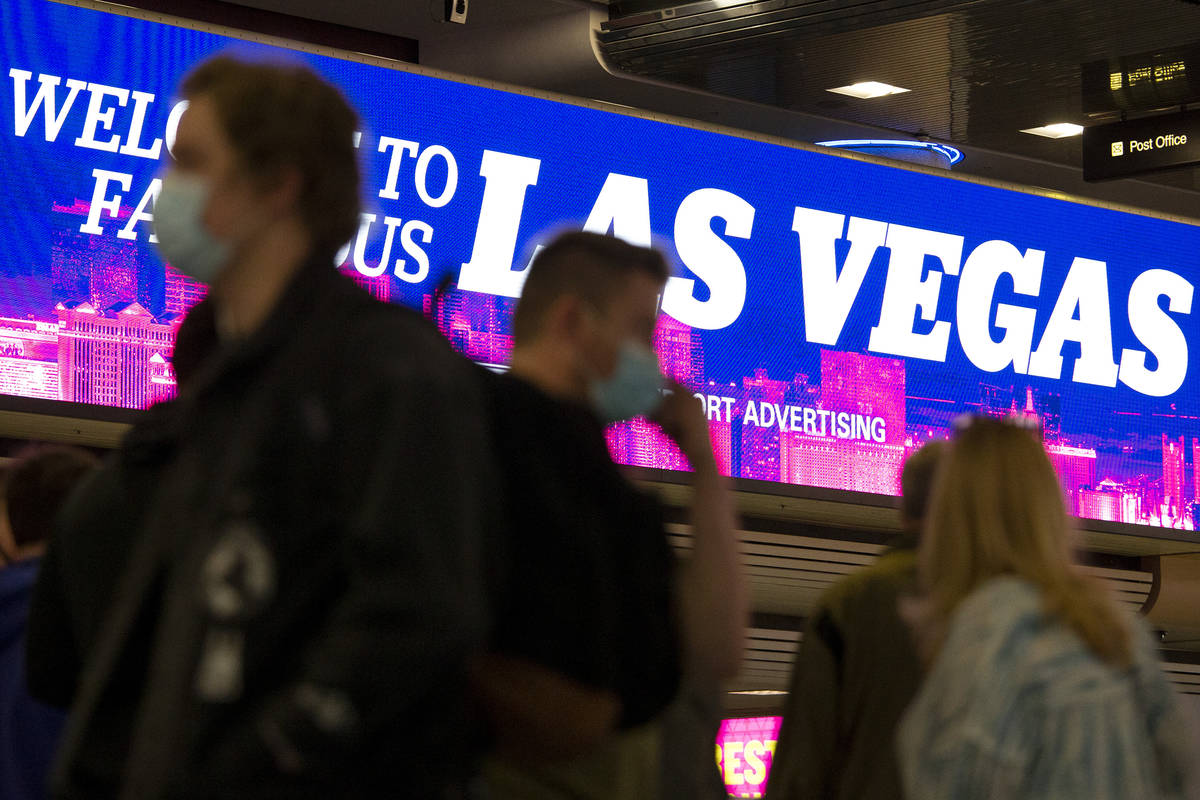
column 298, row 612
column 265, row 110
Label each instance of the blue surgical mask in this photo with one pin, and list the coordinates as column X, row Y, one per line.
column 635, row 387
column 183, row 241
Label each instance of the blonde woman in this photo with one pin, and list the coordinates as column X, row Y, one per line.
column 1039, row 684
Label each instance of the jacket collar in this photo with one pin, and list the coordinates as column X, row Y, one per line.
column 315, row 281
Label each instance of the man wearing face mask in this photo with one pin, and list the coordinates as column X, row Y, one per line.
column 297, row 615
column 593, row 596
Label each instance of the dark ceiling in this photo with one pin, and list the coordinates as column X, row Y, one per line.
column 979, row 71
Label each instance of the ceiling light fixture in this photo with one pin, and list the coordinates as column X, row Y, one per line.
column 1059, row 130
column 761, row 692
column 880, row 147
column 868, row 90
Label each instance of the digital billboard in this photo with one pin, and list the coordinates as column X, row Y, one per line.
column 833, row 312
column 745, row 751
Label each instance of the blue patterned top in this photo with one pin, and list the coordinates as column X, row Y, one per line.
column 1017, row 706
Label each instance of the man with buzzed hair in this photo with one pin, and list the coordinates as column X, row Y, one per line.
column 857, row 670
column 593, row 595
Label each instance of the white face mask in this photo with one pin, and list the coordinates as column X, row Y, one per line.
column 183, row 241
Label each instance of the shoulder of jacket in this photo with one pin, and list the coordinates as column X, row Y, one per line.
column 891, row 572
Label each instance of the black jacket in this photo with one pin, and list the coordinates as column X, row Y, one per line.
column 320, row 521
column 855, row 674
column 86, row 555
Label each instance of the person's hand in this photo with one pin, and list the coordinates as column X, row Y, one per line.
column 682, row 418
column 538, row 714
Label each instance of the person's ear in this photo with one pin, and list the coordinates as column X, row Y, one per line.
column 280, row 191
column 567, row 319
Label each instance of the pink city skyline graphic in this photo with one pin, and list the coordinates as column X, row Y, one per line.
column 104, row 333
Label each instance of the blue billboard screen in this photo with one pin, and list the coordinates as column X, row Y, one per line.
column 833, row 313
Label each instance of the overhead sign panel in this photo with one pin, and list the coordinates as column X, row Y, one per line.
column 1143, row 81
column 1141, row 146
column 832, row 312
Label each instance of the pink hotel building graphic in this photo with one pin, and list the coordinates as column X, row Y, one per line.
column 96, row 340
column 104, row 346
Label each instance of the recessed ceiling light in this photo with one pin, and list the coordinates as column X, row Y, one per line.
column 761, row 692
column 1059, row 130
column 868, row 89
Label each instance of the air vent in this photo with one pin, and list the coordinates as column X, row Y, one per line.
column 787, row 573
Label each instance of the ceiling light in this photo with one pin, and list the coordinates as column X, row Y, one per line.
column 1058, row 130
column 952, row 154
column 761, row 692
column 868, row 89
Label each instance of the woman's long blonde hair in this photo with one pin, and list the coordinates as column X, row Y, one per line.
column 997, row 509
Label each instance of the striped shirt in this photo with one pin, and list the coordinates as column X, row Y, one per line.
column 1017, row 706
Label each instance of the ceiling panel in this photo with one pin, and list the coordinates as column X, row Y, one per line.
column 978, row 71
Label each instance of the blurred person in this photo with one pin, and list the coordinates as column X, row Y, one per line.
column 31, row 492
column 1040, row 685
column 596, row 623
column 300, row 606
column 97, row 529
column 857, row 670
